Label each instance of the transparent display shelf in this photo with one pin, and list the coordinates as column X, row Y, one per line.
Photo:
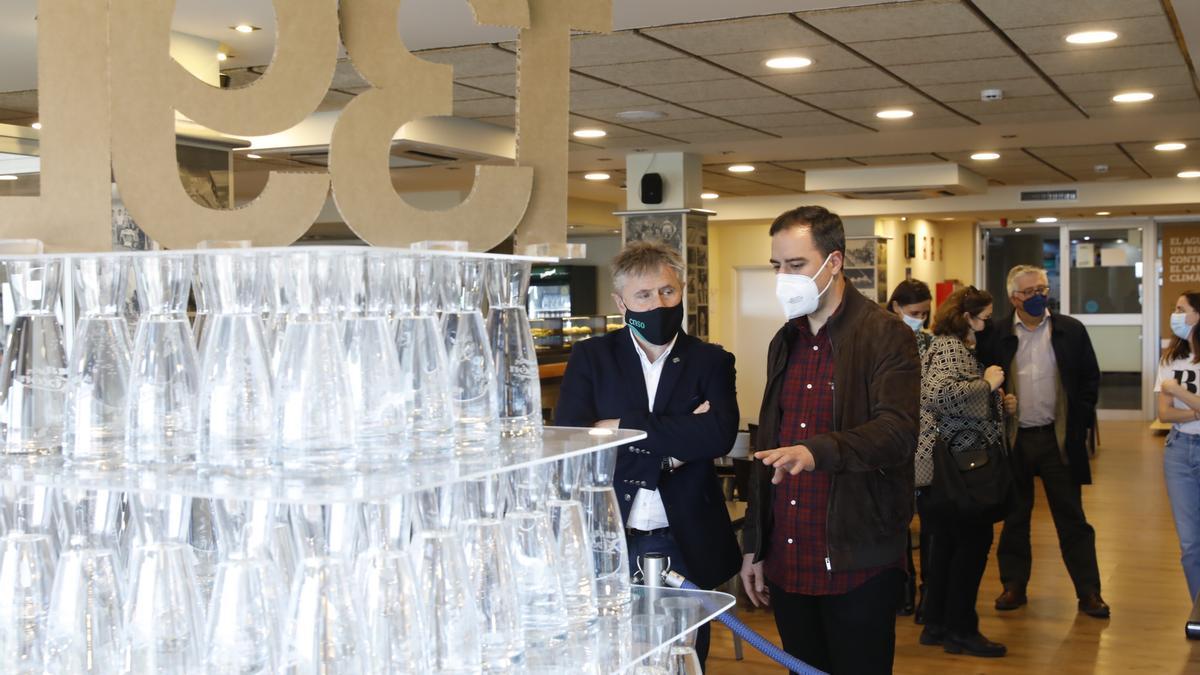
column 646, row 601
column 367, row 484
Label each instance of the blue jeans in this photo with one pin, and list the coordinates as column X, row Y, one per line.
column 665, row 544
column 1181, row 466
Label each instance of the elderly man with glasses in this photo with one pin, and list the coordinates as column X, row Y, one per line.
column 1050, row 365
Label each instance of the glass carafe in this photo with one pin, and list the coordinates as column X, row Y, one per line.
column 85, row 628
column 236, row 408
column 99, row 367
column 314, row 411
column 469, row 354
column 393, row 608
column 423, row 362
column 27, row 568
column 682, row 614
column 539, row 587
column 453, row 615
column 377, row 386
column 33, row 377
column 602, row 513
column 513, row 349
column 493, row 579
column 164, row 389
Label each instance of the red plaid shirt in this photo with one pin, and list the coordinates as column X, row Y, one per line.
column 796, row 560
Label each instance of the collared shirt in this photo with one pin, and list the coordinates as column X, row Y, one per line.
column 797, row 559
column 647, row 511
column 1036, row 372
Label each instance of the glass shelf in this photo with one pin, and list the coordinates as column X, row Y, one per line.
column 645, row 601
column 364, row 485
column 281, row 249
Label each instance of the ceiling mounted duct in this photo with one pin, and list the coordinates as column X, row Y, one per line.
column 911, row 181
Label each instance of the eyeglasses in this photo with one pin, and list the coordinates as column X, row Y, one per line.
column 1030, row 292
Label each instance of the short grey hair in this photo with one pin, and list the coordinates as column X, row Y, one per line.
column 1020, row 271
column 641, row 257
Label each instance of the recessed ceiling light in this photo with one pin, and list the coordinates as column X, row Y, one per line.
column 788, row 62
column 590, row 133
column 1087, row 238
column 1016, row 229
column 1133, row 97
column 894, row 114
column 1188, row 174
column 1047, row 219
column 598, row 175
column 222, row 56
column 245, row 28
column 1120, row 241
column 640, row 115
column 741, row 168
column 8, row 177
column 36, row 125
column 984, row 156
column 1104, row 213
column 251, row 155
column 1170, row 147
column 1091, row 37
column 709, row 195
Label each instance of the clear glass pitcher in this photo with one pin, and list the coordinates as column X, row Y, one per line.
column 236, row 404
column 472, row 371
column 577, row 571
column 33, row 377
column 423, row 363
column 27, row 568
column 513, row 349
column 99, row 367
column 539, row 587
column 164, row 388
column 493, row 579
column 453, row 614
column 602, row 513
column 393, row 607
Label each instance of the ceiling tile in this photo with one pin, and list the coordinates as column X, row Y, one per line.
column 619, row 47
column 896, row 160
column 1114, row 58
column 775, row 120
column 895, row 20
column 830, row 129
column 751, row 106
column 833, row 80
column 931, row 49
column 22, row 101
column 508, row 121
column 584, row 83
column 716, row 90
column 1104, row 97
column 736, row 134
column 1016, row 104
column 669, row 71
column 344, row 77
column 831, row 163
column 825, row 57
column 673, row 112
column 1052, row 38
column 676, row 127
column 1017, row 13
column 604, row 99
column 1068, row 151
column 1155, row 107
column 485, row 107
column 970, row 91
column 867, row 98
column 742, row 35
column 475, row 61
column 504, row 85
column 923, row 115
column 1028, row 117
column 463, row 93
column 970, row 70
column 1114, row 80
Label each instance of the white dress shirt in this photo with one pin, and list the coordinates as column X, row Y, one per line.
column 1036, row 373
column 648, row 512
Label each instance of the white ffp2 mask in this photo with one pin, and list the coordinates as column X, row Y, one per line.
column 798, row 293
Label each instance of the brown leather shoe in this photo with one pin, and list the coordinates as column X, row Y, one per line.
column 1011, row 599
column 1093, row 605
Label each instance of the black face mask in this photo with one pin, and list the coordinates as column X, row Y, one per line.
column 657, row 326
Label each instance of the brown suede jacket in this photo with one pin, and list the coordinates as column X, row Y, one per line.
column 877, row 385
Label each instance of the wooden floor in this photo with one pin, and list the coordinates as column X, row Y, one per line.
column 1140, row 574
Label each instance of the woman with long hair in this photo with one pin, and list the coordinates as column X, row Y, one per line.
column 1179, row 404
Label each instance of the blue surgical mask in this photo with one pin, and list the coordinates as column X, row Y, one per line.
column 913, row 322
column 1035, row 306
column 1180, row 327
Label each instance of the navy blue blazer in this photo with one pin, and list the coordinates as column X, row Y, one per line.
column 604, row 380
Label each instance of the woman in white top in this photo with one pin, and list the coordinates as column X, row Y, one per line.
column 1179, row 403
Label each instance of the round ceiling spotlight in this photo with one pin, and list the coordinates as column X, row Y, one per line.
column 598, row 175
column 1047, row 219
column 1091, row 37
column 641, row 115
column 709, row 195
column 8, row 177
column 36, row 125
column 590, row 133
column 1133, row 97
column 1104, row 213
column 741, row 168
column 245, row 28
column 894, row 114
column 788, row 62
column 985, row 156
column 1188, row 174
column 1170, row 147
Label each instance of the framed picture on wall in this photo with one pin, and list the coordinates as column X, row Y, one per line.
column 866, row 266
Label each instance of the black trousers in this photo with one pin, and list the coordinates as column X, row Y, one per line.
column 957, row 557
column 853, row 633
column 1037, row 454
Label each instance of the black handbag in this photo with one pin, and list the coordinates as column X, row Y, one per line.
column 976, row 483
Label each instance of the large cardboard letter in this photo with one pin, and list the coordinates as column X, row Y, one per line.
column 74, row 210
column 149, row 86
column 406, row 88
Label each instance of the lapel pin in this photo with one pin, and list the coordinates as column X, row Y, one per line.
column 675, row 360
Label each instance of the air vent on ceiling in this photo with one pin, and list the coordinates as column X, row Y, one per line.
column 1049, row 196
column 913, row 181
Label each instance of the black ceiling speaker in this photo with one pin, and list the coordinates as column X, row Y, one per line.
column 652, row 188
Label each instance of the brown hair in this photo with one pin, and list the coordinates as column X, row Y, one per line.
column 827, row 231
column 909, row 292
column 1182, row 349
column 950, row 319
column 640, row 257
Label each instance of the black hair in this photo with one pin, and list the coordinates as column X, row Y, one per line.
column 827, row 231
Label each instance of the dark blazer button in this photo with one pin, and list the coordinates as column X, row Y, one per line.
column 628, row 498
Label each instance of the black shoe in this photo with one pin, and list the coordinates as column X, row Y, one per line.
column 910, row 599
column 1010, row 599
column 919, row 613
column 973, row 645
column 932, row 636
column 1093, row 605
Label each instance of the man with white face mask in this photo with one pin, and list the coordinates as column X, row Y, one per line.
column 830, row 503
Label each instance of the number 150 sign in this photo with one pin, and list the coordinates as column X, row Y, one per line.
column 109, row 90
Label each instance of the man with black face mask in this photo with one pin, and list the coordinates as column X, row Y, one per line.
column 1051, row 367
column 653, row 377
